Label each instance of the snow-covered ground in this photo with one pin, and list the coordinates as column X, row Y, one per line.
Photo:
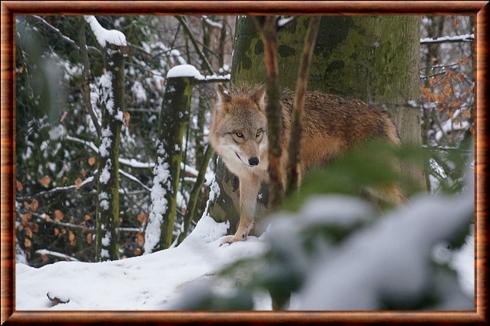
column 150, row 282
column 390, row 257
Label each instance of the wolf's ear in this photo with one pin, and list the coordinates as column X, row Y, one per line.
column 259, row 97
column 223, row 95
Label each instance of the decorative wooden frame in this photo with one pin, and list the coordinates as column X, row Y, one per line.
column 11, row 8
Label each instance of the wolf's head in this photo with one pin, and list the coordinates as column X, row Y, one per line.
column 238, row 127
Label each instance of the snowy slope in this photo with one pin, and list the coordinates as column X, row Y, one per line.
column 150, row 282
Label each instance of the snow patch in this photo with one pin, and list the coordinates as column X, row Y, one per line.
column 158, row 206
column 57, row 132
column 139, row 92
column 149, row 282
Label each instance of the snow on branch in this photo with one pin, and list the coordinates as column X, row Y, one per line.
column 186, row 70
column 83, row 142
column 136, row 164
column 214, row 78
column 282, row 21
column 132, row 163
column 55, row 190
column 55, row 254
column 105, row 36
column 211, row 22
column 159, row 206
column 450, row 126
column 46, row 219
column 134, row 179
column 448, row 39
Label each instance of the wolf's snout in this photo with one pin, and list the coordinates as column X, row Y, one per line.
column 253, row 161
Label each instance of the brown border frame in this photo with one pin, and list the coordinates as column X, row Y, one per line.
column 10, row 8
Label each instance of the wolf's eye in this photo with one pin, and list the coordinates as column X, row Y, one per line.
column 239, row 134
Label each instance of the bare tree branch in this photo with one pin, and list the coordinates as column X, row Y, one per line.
column 211, row 23
column 294, row 160
column 41, row 22
column 188, row 31
column 131, row 177
column 55, row 190
column 44, row 218
column 448, row 39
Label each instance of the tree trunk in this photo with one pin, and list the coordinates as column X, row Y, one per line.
column 371, row 58
column 107, row 212
column 174, row 119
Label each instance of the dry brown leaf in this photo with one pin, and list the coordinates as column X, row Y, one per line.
column 72, row 239
column 28, row 232
column 142, row 217
column 78, row 183
column 26, row 218
column 63, row 116
column 91, row 160
column 56, row 231
column 140, row 239
column 89, row 238
column 19, row 185
column 465, row 60
column 83, row 172
column 34, row 205
column 44, row 258
column 126, row 119
column 45, row 181
column 58, row 215
column 27, row 243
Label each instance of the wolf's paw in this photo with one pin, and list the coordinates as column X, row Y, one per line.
column 229, row 239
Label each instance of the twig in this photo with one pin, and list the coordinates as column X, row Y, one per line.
column 211, row 23
column 194, row 43
column 222, row 40
column 268, row 32
column 131, row 177
column 294, row 159
column 57, row 255
column 55, row 190
column 42, row 218
column 89, row 144
column 191, row 207
column 130, row 162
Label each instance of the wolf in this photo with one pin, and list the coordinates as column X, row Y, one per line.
column 331, row 125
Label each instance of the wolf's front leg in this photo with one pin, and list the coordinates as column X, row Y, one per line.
column 249, row 189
